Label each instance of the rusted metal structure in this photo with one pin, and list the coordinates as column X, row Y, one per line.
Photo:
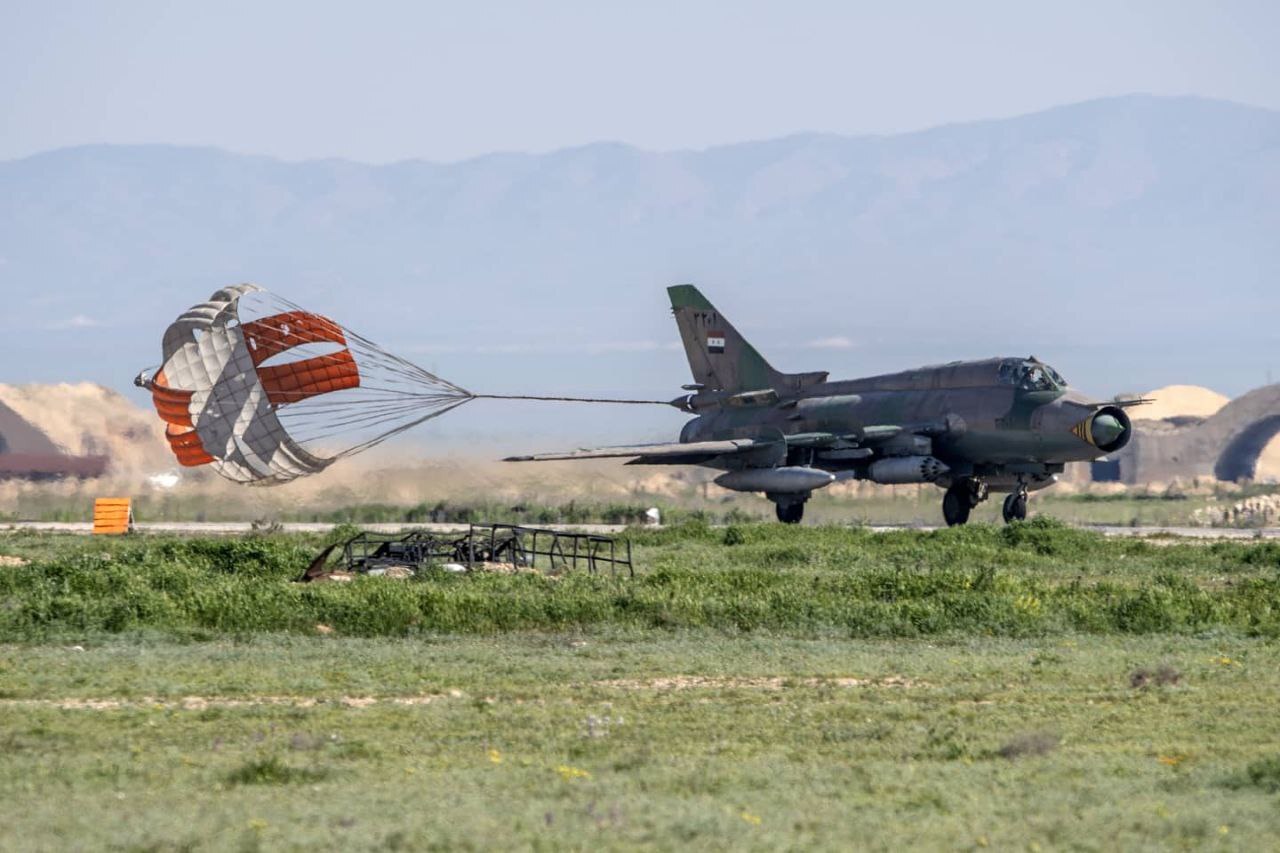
column 483, row 545
column 559, row 550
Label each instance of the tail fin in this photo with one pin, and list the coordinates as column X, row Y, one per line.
column 720, row 358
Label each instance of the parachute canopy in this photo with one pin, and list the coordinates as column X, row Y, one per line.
column 266, row 392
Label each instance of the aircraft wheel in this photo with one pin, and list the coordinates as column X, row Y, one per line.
column 956, row 505
column 1015, row 507
column 790, row 513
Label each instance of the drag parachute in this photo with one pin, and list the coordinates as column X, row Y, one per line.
column 265, row 392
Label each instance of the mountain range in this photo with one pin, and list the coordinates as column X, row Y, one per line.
column 1131, row 241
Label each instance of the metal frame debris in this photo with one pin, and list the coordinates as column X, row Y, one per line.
column 483, row 544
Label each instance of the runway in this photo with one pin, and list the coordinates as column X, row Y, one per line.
column 237, row 528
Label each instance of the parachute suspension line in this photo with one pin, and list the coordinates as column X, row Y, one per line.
column 329, row 420
column 327, row 427
column 373, row 442
column 351, row 418
column 389, row 360
column 393, row 370
column 394, row 394
column 570, row 399
column 405, row 390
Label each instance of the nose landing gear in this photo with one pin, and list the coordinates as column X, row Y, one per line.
column 961, row 498
column 789, row 507
column 790, row 513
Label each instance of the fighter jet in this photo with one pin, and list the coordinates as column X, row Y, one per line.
column 969, row 427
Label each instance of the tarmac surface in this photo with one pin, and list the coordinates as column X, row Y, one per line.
column 233, row 528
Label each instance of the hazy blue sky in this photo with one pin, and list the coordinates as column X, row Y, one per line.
column 381, row 81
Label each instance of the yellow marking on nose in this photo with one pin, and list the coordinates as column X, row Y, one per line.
column 1084, row 430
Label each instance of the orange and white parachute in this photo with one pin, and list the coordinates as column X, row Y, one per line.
column 266, row 392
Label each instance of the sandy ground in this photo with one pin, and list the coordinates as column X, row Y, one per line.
column 776, row 682
column 200, row 703
column 668, row 683
column 85, row 418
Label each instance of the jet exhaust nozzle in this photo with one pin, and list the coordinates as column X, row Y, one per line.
column 779, row 480
column 902, row 470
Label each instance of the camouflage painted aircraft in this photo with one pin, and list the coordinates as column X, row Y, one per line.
column 970, row 427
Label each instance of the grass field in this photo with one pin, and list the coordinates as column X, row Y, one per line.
column 1030, row 687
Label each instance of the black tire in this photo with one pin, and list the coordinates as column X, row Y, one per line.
column 1015, row 508
column 956, row 506
column 790, row 513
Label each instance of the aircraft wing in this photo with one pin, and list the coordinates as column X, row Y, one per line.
column 856, row 445
column 690, row 453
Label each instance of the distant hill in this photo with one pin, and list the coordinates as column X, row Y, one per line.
column 1131, row 241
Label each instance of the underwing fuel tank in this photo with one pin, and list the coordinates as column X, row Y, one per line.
column 906, row 469
column 780, row 480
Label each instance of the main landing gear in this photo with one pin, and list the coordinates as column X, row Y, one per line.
column 961, row 498
column 967, row 493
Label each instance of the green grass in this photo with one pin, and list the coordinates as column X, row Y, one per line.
column 563, row 741
column 1032, row 579
column 755, row 687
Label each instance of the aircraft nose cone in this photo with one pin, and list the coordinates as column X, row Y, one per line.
column 1106, row 429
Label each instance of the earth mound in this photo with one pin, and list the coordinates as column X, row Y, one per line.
column 84, row 419
column 1174, row 401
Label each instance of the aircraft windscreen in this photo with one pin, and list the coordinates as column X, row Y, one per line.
column 1030, row 375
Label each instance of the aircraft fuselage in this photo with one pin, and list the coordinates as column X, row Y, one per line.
column 966, row 414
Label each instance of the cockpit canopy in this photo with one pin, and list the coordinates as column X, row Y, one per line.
column 1030, row 374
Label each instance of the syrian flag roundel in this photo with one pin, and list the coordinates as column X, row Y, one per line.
column 715, row 341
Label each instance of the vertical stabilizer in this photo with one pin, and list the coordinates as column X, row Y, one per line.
column 719, row 357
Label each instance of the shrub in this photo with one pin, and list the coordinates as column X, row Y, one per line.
column 1029, row 744
column 273, row 771
column 1263, row 774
